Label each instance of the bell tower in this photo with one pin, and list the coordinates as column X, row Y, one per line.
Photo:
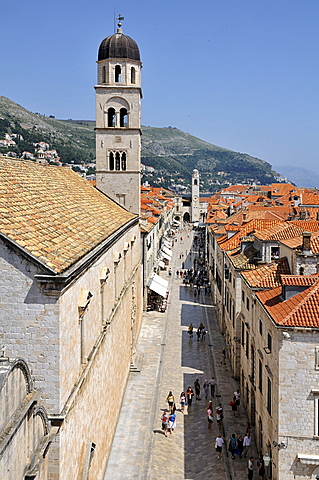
column 118, row 120
column 195, row 196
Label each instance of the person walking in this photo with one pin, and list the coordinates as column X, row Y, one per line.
column 164, row 419
column 250, row 468
column 190, row 330
column 247, row 444
column 223, row 362
column 209, row 412
column 212, row 383
column 182, row 401
column 219, row 446
column 219, row 416
column 170, row 400
column 197, row 389
column 171, row 422
column 261, row 466
column 206, row 387
column 233, row 405
column 240, row 446
column 232, row 445
column 189, row 396
column 237, row 395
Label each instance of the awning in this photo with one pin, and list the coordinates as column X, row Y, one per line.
column 167, row 250
column 309, row 459
column 158, row 284
column 167, row 257
column 161, row 264
column 167, row 244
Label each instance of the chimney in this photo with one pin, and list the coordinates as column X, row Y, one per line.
column 306, row 236
column 244, row 216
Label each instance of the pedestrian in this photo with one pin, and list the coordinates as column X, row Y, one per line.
column 197, row 389
column 177, row 273
column 232, row 445
column 190, row 330
column 248, row 428
column 198, row 333
column 204, row 331
column 171, row 422
column 233, row 405
column 212, row 383
column 240, row 446
column 219, row 416
column 247, row 444
column 237, row 395
column 209, row 412
column 206, row 388
column 261, row 466
column 250, row 467
column 164, row 419
column 170, row 400
column 181, row 274
column 219, row 446
column 189, row 396
column 223, row 362
column 182, row 401
column 183, row 265
column 170, row 271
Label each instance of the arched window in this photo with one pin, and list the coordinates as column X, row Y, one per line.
column 111, row 117
column 301, row 270
column 195, row 181
column 117, row 161
column 132, row 75
column 123, row 117
column 123, row 161
column 118, row 74
column 111, row 161
column 104, row 74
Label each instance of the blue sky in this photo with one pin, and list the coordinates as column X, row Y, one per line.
column 242, row 74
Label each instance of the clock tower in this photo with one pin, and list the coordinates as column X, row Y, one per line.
column 195, row 196
column 118, row 123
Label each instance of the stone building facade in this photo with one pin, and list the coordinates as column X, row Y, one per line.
column 70, row 262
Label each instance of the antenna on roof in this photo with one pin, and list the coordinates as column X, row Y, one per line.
column 114, row 19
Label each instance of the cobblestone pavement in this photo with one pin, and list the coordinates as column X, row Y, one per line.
column 172, row 361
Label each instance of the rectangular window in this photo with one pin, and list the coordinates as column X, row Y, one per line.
column 317, row 358
column 269, row 342
column 260, row 327
column 247, row 303
column 269, row 396
column 242, row 296
column 242, row 333
column 247, row 344
column 260, row 376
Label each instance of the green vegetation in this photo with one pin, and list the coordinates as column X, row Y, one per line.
column 171, row 152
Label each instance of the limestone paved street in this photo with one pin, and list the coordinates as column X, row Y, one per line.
column 172, row 361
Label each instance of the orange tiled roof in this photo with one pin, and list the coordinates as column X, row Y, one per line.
column 301, row 310
column 299, row 280
column 267, row 276
column 53, row 213
column 247, row 229
column 278, row 232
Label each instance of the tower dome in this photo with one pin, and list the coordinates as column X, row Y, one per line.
column 119, row 45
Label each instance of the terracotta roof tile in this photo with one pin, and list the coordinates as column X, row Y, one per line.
column 301, row 310
column 53, row 213
column 267, row 276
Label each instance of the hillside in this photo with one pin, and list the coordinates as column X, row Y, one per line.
column 171, row 152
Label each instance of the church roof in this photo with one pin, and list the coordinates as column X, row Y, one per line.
column 53, row 213
column 119, row 46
